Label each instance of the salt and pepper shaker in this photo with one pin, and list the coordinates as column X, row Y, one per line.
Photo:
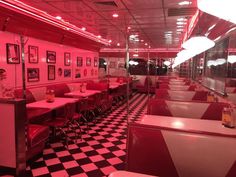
column 228, row 116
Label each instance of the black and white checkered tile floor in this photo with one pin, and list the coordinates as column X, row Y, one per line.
column 101, row 151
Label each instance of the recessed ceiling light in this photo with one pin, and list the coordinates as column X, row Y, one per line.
column 110, row 41
column 83, row 28
column 129, row 27
column 184, row 3
column 118, row 44
column 99, row 36
column 146, row 44
column 115, row 15
column 142, row 40
column 180, row 23
column 181, row 19
column 58, row 17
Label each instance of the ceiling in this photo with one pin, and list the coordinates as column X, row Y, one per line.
column 151, row 20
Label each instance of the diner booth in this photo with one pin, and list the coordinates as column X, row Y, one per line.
column 75, row 103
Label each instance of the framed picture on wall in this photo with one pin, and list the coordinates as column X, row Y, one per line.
column 33, row 74
column 51, row 57
column 95, row 61
column 79, row 61
column 67, row 59
column 121, row 65
column 13, row 53
column 67, row 72
column 51, row 72
column 88, row 61
column 112, row 64
column 77, row 73
column 33, row 54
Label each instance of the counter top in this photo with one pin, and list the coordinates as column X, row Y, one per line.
column 212, row 127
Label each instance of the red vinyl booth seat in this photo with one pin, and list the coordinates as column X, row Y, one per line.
column 37, row 135
column 181, row 95
column 148, row 85
column 197, row 110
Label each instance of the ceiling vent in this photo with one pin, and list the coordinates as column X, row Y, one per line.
column 106, row 3
column 181, row 11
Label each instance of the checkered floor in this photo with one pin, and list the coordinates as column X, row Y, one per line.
column 101, row 151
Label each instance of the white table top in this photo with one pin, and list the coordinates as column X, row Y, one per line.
column 113, row 86
column 127, row 174
column 59, row 102
column 79, row 94
column 188, row 124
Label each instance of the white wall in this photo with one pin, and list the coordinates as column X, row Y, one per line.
column 14, row 71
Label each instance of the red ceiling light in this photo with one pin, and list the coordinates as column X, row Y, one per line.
column 146, row 44
column 110, row 41
column 83, row 28
column 99, row 36
column 115, row 15
column 118, row 44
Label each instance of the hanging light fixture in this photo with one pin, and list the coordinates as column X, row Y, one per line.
column 231, row 59
column 198, row 44
column 222, row 9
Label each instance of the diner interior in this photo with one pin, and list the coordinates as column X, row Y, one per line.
column 117, row 88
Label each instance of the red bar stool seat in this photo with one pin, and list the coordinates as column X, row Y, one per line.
column 37, row 135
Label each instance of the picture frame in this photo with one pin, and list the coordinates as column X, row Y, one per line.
column 95, row 61
column 13, row 53
column 32, row 74
column 79, row 61
column 77, row 73
column 67, row 59
column 51, row 57
column 51, row 72
column 33, row 55
column 121, row 65
column 112, row 64
column 67, row 72
column 88, row 61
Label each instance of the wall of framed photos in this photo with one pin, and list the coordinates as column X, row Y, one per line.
column 45, row 62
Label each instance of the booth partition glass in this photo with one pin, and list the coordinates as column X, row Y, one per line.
column 215, row 67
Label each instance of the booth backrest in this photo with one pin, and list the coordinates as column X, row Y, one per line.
column 197, row 110
column 97, row 86
column 177, row 82
column 38, row 93
column 29, row 96
column 177, row 87
column 160, row 152
column 230, row 89
column 74, row 86
column 59, row 89
column 181, row 95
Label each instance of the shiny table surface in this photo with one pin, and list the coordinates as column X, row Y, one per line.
column 188, row 124
column 58, row 102
column 87, row 93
